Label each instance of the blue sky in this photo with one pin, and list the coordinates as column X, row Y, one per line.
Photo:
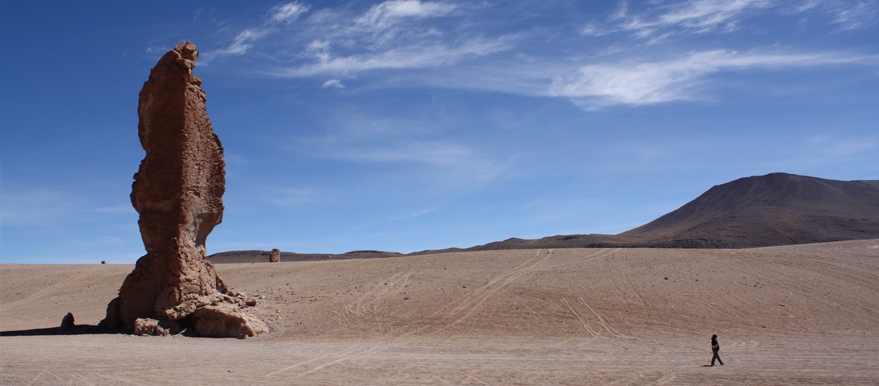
column 407, row 125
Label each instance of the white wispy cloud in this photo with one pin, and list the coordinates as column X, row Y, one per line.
column 244, row 40
column 854, row 15
column 383, row 16
column 446, row 159
column 419, row 148
column 411, row 56
column 458, row 52
column 394, row 34
column 286, row 13
column 665, row 18
column 848, row 15
column 239, row 46
column 390, row 35
column 643, row 83
column 332, row 83
column 448, row 162
column 695, row 16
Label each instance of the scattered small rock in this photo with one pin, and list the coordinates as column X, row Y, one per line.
column 148, row 326
column 67, row 322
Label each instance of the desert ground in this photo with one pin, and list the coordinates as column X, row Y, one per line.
column 802, row 314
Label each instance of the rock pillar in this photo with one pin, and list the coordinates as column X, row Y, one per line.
column 178, row 192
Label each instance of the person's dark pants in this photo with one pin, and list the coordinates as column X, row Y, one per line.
column 717, row 357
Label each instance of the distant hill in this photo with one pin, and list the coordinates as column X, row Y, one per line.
column 256, row 256
column 760, row 211
column 775, row 209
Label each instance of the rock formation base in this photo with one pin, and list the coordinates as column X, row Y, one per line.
column 178, row 193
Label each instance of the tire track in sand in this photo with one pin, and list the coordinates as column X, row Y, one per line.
column 471, row 303
column 45, row 290
column 606, row 326
column 474, row 300
column 580, row 317
column 621, row 271
column 340, row 355
column 366, row 303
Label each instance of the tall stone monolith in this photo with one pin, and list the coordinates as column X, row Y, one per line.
column 178, row 192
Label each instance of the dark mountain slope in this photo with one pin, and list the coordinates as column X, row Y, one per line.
column 775, row 209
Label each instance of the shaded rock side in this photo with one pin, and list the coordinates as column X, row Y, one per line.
column 67, row 323
column 178, row 193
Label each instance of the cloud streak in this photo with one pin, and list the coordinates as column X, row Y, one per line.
column 413, row 56
column 385, row 15
column 286, row 13
column 392, row 34
column 704, row 16
column 439, row 44
column 644, row 83
column 698, row 16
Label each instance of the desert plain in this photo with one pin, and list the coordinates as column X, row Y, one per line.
column 803, row 314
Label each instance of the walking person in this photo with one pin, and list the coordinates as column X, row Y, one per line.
column 715, row 347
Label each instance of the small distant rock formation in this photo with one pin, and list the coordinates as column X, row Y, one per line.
column 275, row 256
column 67, row 323
column 178, row 193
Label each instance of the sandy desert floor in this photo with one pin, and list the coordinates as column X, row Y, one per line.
column 798, row 314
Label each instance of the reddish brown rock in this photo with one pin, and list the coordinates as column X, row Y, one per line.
column 226, row 321
column 275, row 256
column 178, row 193
column 147, row 326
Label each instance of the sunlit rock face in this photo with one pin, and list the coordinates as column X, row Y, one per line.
column 178, row 192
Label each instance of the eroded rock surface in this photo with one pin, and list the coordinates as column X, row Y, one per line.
column 225, row 321
column 148, row 326
column 178, row 193
column 275, row 256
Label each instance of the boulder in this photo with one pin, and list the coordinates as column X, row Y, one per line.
column 223, row 320
column 148, row 326
column 67, row 323
column 275, row 256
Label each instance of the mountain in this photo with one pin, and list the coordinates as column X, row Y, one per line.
column 775, row 209
column 759, row 211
